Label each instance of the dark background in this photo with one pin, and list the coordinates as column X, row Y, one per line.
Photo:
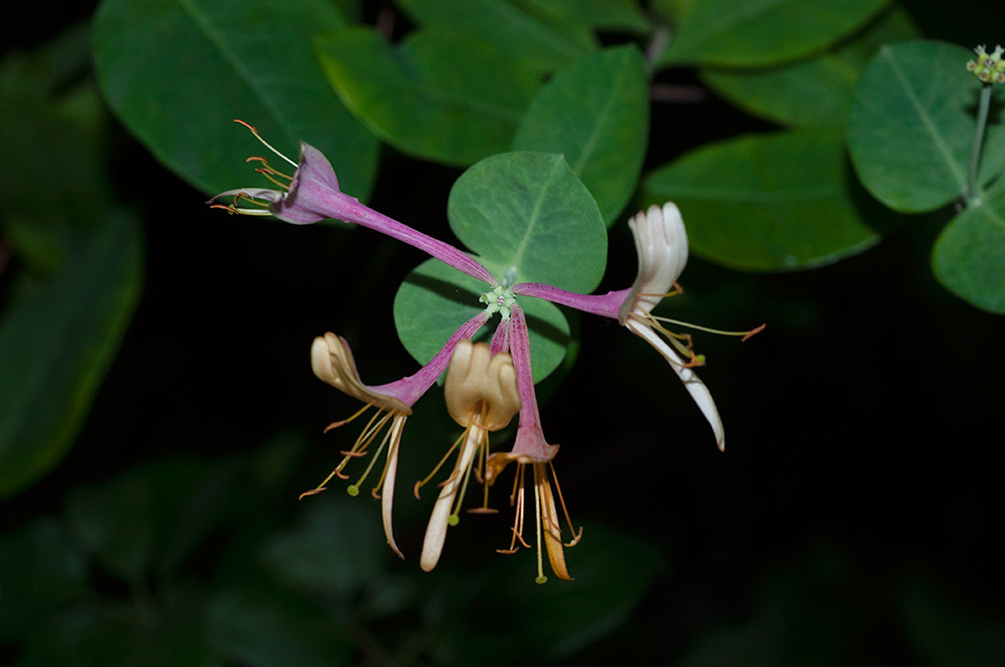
column 863, row 425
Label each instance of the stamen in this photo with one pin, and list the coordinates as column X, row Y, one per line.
column 454, row 517
column 743, row 334
column 264, row 142
column 346, row 421
column 375, row 456
column 516, row 497
column 537, row 509
column 375, row 491
column 268, row 167
column 561, row 501
column 419, row 485
column 268, row 174
column 373, row 427
column 248, row 198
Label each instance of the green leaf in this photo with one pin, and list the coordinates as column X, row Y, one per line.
column 596, row 113
column 435, row 299
column 534, row 39
column 337, row 547
column 969, row 255
column 120, row 635
column 530, row 218
column 945, row 635
column 794, row 621
column 56, row 342
column 746, row 33
column 912, row 124
column 178, row 71
column 44, row 202
column 40, row 573
column 439, row 95
column 611, row 571
column 623, row 15
column 268, row 628
column 765, row 202
column 148, row 519
column 811, row 93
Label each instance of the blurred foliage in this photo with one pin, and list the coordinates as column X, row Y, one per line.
column 155, row 391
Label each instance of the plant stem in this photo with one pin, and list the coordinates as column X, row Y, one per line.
column 975, row 150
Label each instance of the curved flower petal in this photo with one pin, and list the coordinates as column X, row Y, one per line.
column 480, row 387
column 699, row 392
column 332, row 362
column 661, row 244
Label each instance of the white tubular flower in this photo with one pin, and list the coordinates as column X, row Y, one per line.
column 482, row 396
column 661, row 243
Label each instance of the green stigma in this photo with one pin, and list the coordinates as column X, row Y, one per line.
column 988, row 68
column 352, row 490
column 500, row 300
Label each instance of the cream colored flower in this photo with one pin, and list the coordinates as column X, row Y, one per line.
column 332, row 362
column 661, row 244
column 481, row 396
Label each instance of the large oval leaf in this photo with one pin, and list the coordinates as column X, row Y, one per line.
column 815, row 92
column 531, row 38
column 57, row 341
column 969, row 255
column 178, row 71
column 530, row 219
column 765, row 203
column 439, row 95
column 596, row 113
column 745, row 33
column 912, row 124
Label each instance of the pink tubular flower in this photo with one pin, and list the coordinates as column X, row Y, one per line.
column 531, row 449
column 333, row 363
column 661, row 244
column 313, row 195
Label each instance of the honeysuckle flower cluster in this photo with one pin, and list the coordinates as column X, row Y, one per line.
column 486, row 385
column 988, row 68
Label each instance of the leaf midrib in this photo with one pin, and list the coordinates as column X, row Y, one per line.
column 926, row 120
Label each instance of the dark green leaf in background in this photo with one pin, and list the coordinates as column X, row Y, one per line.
column 440, row 95
column 56, row 342
column 800, row 617
column 542, row 40
column 944, row 633
column 596, row 113
column 177, row 72
column 268, row 628
column 337, row 547
column 41, row 571
column 54, row 181
column 912, row 124
column 146, row 520
column 115, row 635
column 969, row 255
column 815, row 92
column 765, row 202
column 623, row 15
column 748, row 33
column 611, row 573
